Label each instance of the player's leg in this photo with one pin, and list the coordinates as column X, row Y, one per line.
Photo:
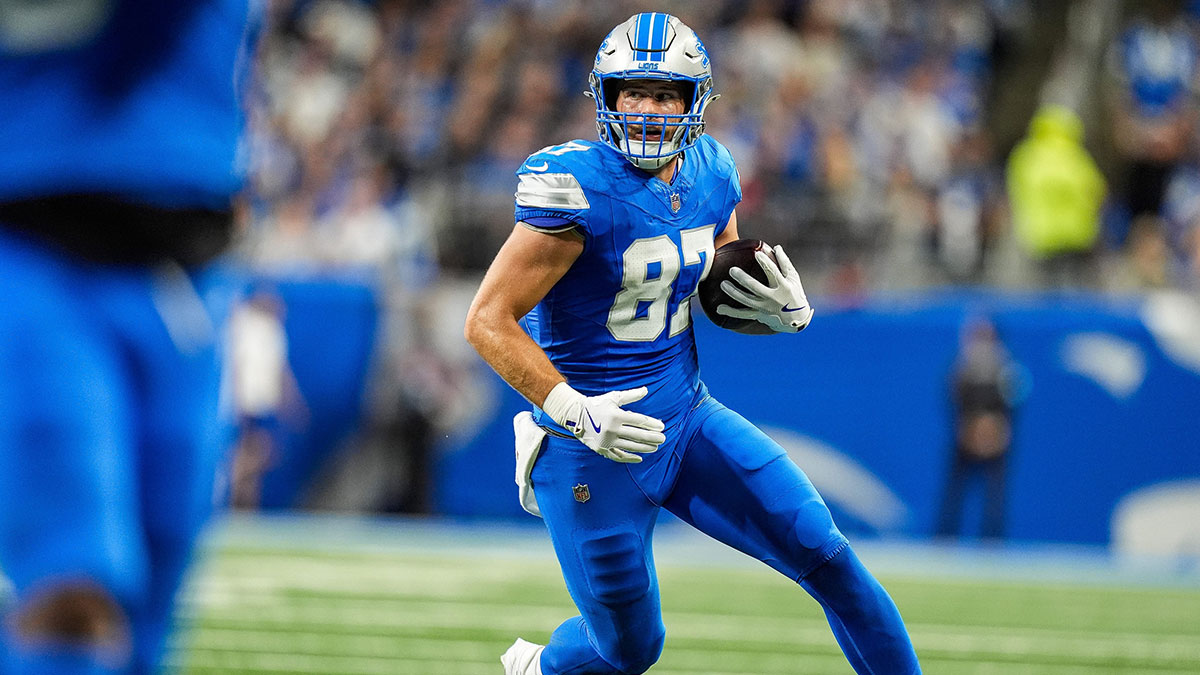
column 955, row 491
column 171, row 333
column 740, row 487
column 600, row 523
column 66, row 476
column 995, row 497
column 864, row 619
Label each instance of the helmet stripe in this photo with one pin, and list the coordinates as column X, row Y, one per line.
column 658, row 32
column 642, row 30
column 650, row 37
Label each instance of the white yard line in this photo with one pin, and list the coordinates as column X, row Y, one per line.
column 371, row 615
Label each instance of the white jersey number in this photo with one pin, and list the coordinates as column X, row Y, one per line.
column 651, row 267
column 560, row 150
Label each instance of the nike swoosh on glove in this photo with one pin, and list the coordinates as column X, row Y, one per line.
column 603, row 425
column 780, row 303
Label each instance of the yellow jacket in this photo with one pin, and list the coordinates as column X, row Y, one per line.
column 1054, row 187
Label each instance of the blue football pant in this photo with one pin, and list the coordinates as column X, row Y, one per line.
column 725, row 477
column 108, row 437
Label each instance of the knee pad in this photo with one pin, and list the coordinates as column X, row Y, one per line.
column 80, row 613
column 618, row 577
column 637, row 650
column 650, row 649
column 813, row 525
column 616, row 567
column 844, row 584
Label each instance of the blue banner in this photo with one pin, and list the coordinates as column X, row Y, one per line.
column 861, row 400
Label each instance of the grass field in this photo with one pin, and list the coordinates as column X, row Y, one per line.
column 354, row 597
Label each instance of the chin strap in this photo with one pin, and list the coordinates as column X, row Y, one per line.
column 651, row 163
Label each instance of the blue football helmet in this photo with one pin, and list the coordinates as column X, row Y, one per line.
column 651, row 46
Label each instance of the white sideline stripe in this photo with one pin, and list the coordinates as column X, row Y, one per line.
column 371, row 567
column 373, row 578
column 201, row 660
column 324, row 644
column 707, row 627
column 366, row 570
column 245, row 603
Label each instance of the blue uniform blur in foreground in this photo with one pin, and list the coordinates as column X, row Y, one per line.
column 117, row 167
column 141, row 101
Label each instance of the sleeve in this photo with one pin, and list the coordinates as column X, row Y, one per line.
column 733, row 197
column 549, row 197
column 547, row 223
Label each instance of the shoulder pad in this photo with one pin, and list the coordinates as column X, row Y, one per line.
column 716, row 155
column 572, row 157
column 550, row 191
column 552, row 177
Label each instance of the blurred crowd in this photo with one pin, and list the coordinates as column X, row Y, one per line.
column 872, row 136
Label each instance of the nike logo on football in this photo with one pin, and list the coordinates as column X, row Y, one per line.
column 794, row 309
column 541, row 167
column 595, row 427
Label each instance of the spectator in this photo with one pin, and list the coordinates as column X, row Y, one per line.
column 265, row 394
column 984, row 393
column 1056, row 192
column 1181, row 215
column 968, row 210
column 1154, row 63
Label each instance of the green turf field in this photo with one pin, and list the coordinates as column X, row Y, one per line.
column 330, row 598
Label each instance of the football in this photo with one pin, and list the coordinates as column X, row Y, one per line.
column 738, row 253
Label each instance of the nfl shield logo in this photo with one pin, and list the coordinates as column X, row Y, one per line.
column 675, row 202
column 582, row 494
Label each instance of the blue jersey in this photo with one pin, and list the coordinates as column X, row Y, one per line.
column 1160, row 64
column 133, row 99
column 119, row 127
column 620, row 318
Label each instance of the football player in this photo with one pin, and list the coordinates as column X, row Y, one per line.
column 585, row 312
column 120, row 127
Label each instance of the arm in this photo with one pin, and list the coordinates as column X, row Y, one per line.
column 730, row 233
column 524, row 271
column 526, row 268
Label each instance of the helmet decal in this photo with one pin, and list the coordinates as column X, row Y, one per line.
column 703, row 52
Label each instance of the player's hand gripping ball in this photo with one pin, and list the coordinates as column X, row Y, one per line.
column 738, row 253
column 754, row 289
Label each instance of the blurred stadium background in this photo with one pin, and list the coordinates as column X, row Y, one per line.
column 875, row 140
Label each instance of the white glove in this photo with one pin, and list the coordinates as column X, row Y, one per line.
column 603, row 425
column 781, row 304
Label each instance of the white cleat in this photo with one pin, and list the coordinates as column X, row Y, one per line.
column 523, row 658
